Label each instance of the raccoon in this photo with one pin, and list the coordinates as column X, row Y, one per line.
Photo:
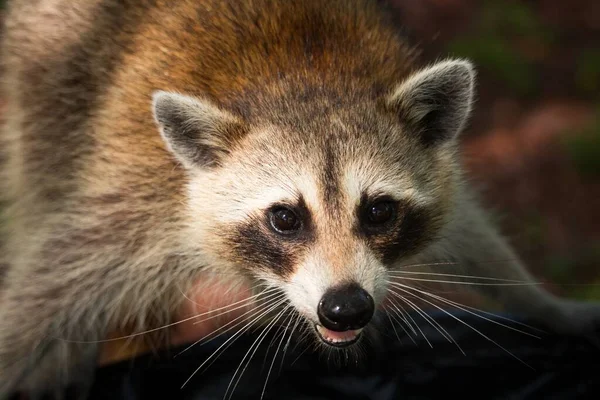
column 300, row 146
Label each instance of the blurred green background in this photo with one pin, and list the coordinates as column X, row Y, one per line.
column 533, row 146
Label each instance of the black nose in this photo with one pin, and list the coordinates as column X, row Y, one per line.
column 346, row 308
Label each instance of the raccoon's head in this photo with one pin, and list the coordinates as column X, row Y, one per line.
column 322, row 197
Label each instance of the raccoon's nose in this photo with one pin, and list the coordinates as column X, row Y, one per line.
column 346, row 308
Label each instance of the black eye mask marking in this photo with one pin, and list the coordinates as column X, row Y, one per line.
column 256, row 246
column 407, row 231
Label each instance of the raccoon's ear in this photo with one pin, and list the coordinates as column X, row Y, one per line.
column 436, row 102
column 196, row 131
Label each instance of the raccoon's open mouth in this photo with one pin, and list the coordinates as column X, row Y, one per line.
column 338, row 339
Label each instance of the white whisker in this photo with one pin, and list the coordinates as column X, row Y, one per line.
column 396, row 312
column 246, row 300
column 234, row 337
column 451, row 263
column 460, row 307
column 470, row 283
column 436, row 325
column 239, row 332
column 254, row 346
column 270, row 296
column 402, row 314
column 429, row 264
column 457, row 276
column 394, row 327
column 417, row 325
column 401, row 287
column 428, row 318
column 287, row 344
column 275, row 356
column 208, row 337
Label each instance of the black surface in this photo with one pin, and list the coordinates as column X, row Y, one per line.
column 557, row 368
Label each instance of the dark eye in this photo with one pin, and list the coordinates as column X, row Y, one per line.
column 380, row 212
column 283, row 220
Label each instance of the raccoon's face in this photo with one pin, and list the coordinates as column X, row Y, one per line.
column 324, row 209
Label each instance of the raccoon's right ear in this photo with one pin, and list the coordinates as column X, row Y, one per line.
column 436, row 101
column 196, row 131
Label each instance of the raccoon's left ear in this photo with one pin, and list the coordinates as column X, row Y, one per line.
column 195, row 130
column 436, row 102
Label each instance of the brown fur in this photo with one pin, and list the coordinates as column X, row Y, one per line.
column 96, row 189
column 98, row 203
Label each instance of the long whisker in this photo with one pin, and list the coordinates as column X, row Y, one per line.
column 402, row 314
column 254, row 346
column 416, row 325
column 234, row 337
column 394, row 327
column 429, row 264
column 412, row 339
column 181, row 321
column 459, row 306
column 418, row 311
column 280, row 334
column 287, row 344
column 456, row 304
column 255, row 310
column 436, row 325
column 428, row 318
column 471, row 283
column 270, row 296
column 454, row 263
column 230, row 344
column 261, row 293
column 392, row 315
column 466, row 324
column 306, row 333
column 251, row 289
column 239, row 333
column 456, row 276
column 275, row 356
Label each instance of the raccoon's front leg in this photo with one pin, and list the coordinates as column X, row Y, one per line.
column 55, row 298
column 37, row 353
column 480, row 251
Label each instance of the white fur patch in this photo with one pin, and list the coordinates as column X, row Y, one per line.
column 318, row 273
column 358, row 180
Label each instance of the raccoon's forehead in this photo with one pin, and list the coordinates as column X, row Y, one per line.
column 333, row 165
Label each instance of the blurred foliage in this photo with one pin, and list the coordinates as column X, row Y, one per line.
column 560, row 269
column 504, row 34
column 587, row 74
column 534, row 228
column 583, row 148
column 496, row 55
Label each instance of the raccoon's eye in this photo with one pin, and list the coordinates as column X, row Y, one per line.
column 283, row 220
column 380, row 212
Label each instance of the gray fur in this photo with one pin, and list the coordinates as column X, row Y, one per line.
column 117, row 204
column 195, row 131
column 445, row 88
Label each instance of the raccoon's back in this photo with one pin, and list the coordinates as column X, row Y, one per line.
column 58, row 57
column 75, row 64
column 79, row 79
